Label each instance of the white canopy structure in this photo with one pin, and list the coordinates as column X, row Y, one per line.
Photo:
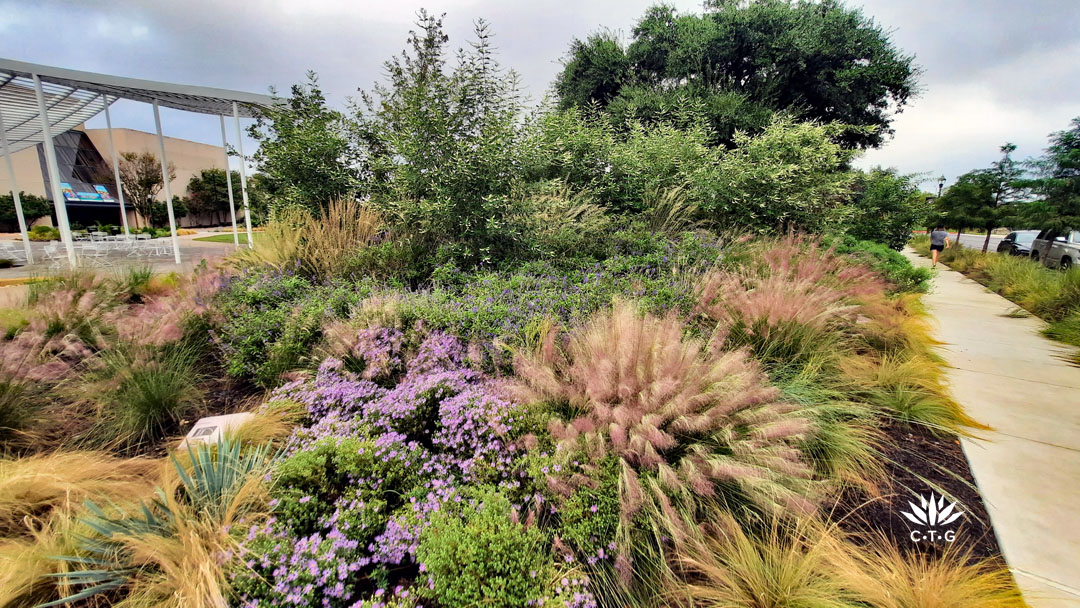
column 38, row 102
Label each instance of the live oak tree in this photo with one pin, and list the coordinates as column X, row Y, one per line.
column 741, row 62
column 980, row 199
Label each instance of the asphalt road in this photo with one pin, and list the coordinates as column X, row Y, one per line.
column 975, row 241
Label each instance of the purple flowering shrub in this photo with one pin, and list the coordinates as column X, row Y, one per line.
column 361, row 480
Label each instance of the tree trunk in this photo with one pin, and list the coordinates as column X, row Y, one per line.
column 986, row 242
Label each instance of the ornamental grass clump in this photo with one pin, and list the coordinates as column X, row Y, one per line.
column 685, row 423
column 788, row 300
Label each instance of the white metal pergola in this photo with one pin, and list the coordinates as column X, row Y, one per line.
column 38, row 102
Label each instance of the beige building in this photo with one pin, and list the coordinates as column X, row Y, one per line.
column 84, row 156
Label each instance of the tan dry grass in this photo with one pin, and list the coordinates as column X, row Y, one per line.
column 883, row 577
column 36, row 485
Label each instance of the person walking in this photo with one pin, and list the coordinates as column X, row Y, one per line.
column 939, row 241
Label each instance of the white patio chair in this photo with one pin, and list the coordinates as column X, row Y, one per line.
column 97, row 254
column 53, row 255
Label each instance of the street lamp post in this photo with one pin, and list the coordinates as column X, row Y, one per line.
column 940, row 185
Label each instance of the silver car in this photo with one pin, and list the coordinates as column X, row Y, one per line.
column 1057, row 248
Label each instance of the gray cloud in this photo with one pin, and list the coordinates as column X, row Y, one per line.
column 994, row 70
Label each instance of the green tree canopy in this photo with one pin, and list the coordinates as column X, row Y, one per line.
column 886, row 207
column 305, row 149
column 33, row 208
column 743, row 61
column 208, row 194
column 981, row 198
column 441, row 145
column 794, row 175
column 1058, row 180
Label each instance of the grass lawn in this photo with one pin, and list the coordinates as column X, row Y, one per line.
column 228, row 238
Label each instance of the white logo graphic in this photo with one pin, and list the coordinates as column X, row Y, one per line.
column 934, row 513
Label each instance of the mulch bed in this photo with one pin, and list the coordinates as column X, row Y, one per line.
column 918, row 462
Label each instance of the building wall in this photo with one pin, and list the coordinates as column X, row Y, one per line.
column 27, row 173
column 188, row 157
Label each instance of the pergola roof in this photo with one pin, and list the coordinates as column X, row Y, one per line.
column 72, row 97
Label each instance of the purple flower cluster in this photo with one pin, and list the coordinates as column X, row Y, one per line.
column 400, row 455
column 380, row 350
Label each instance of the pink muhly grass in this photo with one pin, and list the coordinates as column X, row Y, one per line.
column 796, row 282
column 668, row 409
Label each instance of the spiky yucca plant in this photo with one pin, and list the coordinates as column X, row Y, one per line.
column 168, row 551
column 686, row 424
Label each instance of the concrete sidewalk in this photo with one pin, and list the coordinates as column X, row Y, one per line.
column 1028, row 468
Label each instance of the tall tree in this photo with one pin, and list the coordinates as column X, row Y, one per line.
column 305, row 149
column 980, row 199
column 208, row 193
column 745, row 60
column 441, row 146
column 140, row 177
column 1057, row 180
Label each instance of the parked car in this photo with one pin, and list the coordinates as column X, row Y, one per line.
column 1056, row 248
column 1017, row 242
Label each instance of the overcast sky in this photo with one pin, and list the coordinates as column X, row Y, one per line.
column 995, row 71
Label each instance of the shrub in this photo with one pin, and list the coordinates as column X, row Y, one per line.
column 483, row 556
column 487, row 306
column 44, row 233
column 681, row 420
column 901, row 274
column 886, row 207
column 266, row 324
column 361, row 482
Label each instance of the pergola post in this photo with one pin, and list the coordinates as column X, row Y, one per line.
column 54, row 174
column 228, row 182
column 165, row 180
column 15, row 194
column 243, row 174
column 116, row 167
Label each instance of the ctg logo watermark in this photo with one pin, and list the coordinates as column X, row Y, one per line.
column 932, row 518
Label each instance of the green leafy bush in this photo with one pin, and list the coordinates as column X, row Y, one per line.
column 268, row 323
column 902, row 275
column 482, row 556
column 886, row 207
column 44, row 233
